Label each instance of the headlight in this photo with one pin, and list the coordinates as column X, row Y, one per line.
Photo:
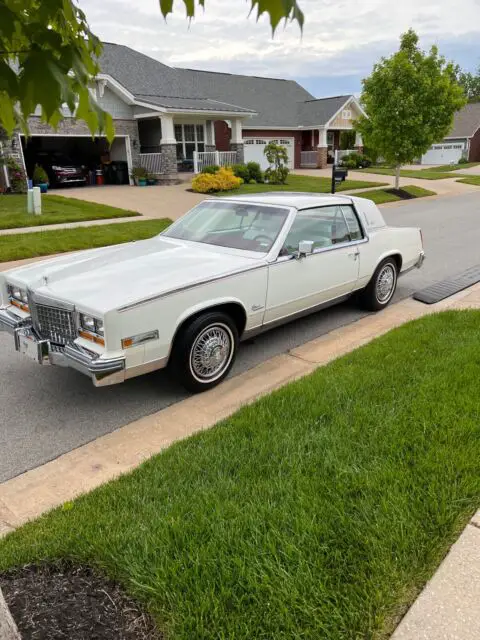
column 88, row 322
column 18, row 294
column 99, row 327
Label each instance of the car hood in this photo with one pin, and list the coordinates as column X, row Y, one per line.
column 108, row 278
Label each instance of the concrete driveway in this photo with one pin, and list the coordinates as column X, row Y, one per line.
column 45, row 412
column 169, row 201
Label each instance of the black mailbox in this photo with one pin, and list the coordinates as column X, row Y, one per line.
column 340, row 174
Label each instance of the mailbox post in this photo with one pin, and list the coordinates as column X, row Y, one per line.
column 339, row 174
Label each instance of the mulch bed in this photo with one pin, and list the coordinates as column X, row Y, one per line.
column 61, row 601
column 400, row 193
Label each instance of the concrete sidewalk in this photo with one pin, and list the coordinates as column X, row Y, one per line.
column 70, row 225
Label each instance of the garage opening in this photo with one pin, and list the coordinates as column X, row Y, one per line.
column 254, row 150
column 77, row 160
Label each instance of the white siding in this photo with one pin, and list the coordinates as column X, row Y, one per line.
column 113, row 104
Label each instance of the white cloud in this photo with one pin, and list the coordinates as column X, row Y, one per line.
column 340, row 38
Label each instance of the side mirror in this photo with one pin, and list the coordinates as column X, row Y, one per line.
column 305, row 248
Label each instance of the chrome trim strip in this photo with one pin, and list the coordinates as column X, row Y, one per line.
column 417, row 265
column 10, row 322
column 250, row 333
column 193, row 285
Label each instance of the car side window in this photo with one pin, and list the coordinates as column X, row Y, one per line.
column 325, row 226
column 352, row 221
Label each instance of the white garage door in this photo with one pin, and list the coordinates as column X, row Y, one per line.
column 443, row 153
column 254, row 147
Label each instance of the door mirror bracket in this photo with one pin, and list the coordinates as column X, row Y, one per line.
column 305, row 248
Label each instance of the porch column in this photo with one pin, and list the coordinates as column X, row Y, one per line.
column 358, row 142
column 322, row 148
column 236, row 141
column 210, row 135
column 168, row 146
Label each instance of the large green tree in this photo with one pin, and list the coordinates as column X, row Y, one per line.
column 470, row 82
column 48, row 58
column 410, row 100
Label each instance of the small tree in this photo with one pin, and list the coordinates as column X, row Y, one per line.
column 347, row 139
column 410, row 100
column 470, row 82
column 277, row 157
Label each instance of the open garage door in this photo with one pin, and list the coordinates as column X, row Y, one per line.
column 444, row 153
column 254, row 150
column 77, row 160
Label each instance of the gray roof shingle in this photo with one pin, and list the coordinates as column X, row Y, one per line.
column 466, row 121
column 276, row 102
column 317, row 112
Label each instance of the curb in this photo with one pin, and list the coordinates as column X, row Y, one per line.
column 35, row 492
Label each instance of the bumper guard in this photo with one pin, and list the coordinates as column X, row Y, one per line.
column 102, row 371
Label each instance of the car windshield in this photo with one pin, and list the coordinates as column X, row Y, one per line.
column 234, row 225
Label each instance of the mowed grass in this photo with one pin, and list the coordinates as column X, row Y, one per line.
column 475, row 180
column 320, row 511
column 307, row 184
column 455, row 167
column 380, row 196
column 43, row 243
column 422, row 174
column 55, row 210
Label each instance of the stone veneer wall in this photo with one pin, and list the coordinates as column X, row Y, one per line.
column 239, row 148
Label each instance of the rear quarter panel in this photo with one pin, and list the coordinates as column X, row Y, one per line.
column 387, row 241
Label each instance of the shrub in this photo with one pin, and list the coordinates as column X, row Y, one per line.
column 39, row 175
column 139, row 173
column 277, row 176
column 16, row 175
column 463, row 160
column 252, row 181
column 223, row 180
column 211, row 168
column 356, row 161
column 241, row 171
column 254, row 171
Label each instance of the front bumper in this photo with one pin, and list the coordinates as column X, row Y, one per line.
column 102, row 371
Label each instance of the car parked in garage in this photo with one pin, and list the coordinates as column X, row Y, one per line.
column 61, row 169
column 228, row 269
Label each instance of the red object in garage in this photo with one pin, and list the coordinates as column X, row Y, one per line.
column 100, row 177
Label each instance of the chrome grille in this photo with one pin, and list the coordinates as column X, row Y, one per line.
column 52, row 323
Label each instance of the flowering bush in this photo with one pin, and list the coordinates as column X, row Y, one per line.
column 16, row 175
column 223, row 180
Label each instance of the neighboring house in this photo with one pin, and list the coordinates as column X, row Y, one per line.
column 463, row 141
column 164, row 115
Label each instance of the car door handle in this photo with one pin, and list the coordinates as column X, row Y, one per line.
column 355, row 254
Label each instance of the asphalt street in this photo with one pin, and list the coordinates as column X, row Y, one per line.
column 46, row 411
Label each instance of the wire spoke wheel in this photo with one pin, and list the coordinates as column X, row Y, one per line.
column 385, row 285
column 211, row 352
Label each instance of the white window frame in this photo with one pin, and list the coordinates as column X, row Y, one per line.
column 347, row 114
column 184, row 142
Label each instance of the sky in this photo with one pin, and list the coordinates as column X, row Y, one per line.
column 341, row 40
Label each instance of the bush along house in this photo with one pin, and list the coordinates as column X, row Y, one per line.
column 169, row 120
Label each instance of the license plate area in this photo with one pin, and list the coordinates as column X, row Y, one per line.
column 29, row 346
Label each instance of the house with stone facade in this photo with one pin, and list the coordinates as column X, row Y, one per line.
column 165, row 117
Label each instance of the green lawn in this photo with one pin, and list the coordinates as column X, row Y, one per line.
column 380, row 196
column 455, row 167
column 318, row 512
column 43, row 243
column 423, row 174
column 55, row 209
column 310, row 184
column 471, row 180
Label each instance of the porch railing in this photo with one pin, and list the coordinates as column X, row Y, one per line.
column 308, row 159
column 152, row 162
column 202, row 159
column 341, row 153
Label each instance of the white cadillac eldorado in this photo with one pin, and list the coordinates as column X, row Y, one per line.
column 228, row 269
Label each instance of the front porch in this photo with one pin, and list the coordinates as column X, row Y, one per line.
column 172, row 144
column 319, row 145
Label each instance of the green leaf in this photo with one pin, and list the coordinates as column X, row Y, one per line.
column 7, row 113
